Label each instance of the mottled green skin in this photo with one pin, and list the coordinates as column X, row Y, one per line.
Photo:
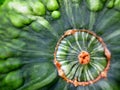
column 28, row 37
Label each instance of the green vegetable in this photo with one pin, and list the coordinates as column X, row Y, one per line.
column 1, row 2
column 9, row 64
column 12, row 32
column 5, row 52
column 13, row 80
column 95, row 5
column 56, row 14
column 40, row 75
column 76, row 1
column 13, row 63
column 18, row 43
column 3, row 67
column 19, row 20
column 52, row 5
column 38, row 8
column 44, row 1
column 110, row 4
column 59, row 44
column 117, row 4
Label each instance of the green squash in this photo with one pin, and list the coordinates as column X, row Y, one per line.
column 59, row 44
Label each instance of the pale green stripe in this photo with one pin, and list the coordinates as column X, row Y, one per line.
column 63, row 47
column 61, row 53
column 46, row 24
column 79, row 78
column 92, row 20
column 99, row 58
column 94, row 67
column 77, row 72
column 99, row 48
column 67, row 61
column 71, row 45
column 83, row 38
column 72, row 72
column 67, row 67
column 99, row 68
column 68, row 8
column 76, row 39
column 100, row 65
column 113, row 34
column 91, row 40
column 90, row 75
column 63, row 42
column 86, row 36
column 87, row 75
column 36, row 84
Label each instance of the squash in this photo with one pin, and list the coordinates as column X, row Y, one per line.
column 59, row 44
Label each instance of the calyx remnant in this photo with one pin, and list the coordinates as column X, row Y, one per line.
column 81, row 57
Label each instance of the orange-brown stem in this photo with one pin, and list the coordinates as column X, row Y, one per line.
column 84, row 57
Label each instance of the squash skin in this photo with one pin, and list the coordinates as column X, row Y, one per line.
column 37, row 36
